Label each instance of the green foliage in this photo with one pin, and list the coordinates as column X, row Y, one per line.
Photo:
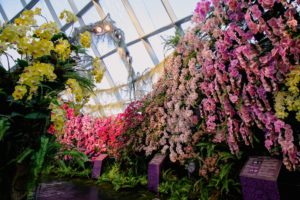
column 226, row 180
column 74, row 166
column 24, row 142
column 172, row 41
column 120, row 179
column 4, row 126
column 84, row 81
column 38, row 159
column 174, row 187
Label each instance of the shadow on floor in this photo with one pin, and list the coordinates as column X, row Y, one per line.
column 77, row 189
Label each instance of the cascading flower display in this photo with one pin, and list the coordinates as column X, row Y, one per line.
column 224, row 76
column 95, row 135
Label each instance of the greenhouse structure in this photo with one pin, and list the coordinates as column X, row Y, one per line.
column 149, row 99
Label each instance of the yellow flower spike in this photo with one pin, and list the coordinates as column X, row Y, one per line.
column 23, row 45
column 69, row 16
column 37, row 11
column 20, row 91
column 98, row 71
column 96, row 62
column 63, row 49
column 86, row 39
column 38, row 48
column 47, row 30
column 3, row 47
column 290, row 99
column 280, row 105
column 26, row 18
column 9, row 34
column 33, row 75
column 57, row 117
column 76, row 89
column 298, row 116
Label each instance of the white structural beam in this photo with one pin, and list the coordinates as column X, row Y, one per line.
column 171, row 14
column 155, row 32
column 53, row 13
column 4, row 16
column 79, row 14
column 99, row 9
column 28, row 6
column 23, row 2
column 140, row 31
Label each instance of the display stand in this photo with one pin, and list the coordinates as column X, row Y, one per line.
column 97, row 166
column 259, row 178
column 154, row 168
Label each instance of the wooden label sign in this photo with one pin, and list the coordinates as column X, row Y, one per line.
column 97, row 166
column 154, row 167
column 259, row 178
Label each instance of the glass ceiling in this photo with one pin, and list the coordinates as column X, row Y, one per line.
column 145, row 23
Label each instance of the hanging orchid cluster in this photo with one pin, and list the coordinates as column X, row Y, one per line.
column 223, row 80
column 43, row 48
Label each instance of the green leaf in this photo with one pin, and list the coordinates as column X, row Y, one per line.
column 23, row 155
column 16, row 114
column 22, row 63
column 39, row 157
column 4, row 126
column 36, row 115
column 225, row 170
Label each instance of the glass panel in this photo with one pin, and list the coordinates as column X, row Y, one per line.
column 11, row 7
column 45, row 12
column 91, row 101
column 81, row 3
column 107, row 98
column 114, row 111
column 27, row 1
column 104, row 44
column 186, row 25
column 116, row 68
column 158, row 43
column 1, row 19
column 59, row 6
column 10, row 60
column 70, row 30
column 104, row 84
column 183, row 8
column 151, row 14
column 120, row 16
column 141, row 60
column 91, row 16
